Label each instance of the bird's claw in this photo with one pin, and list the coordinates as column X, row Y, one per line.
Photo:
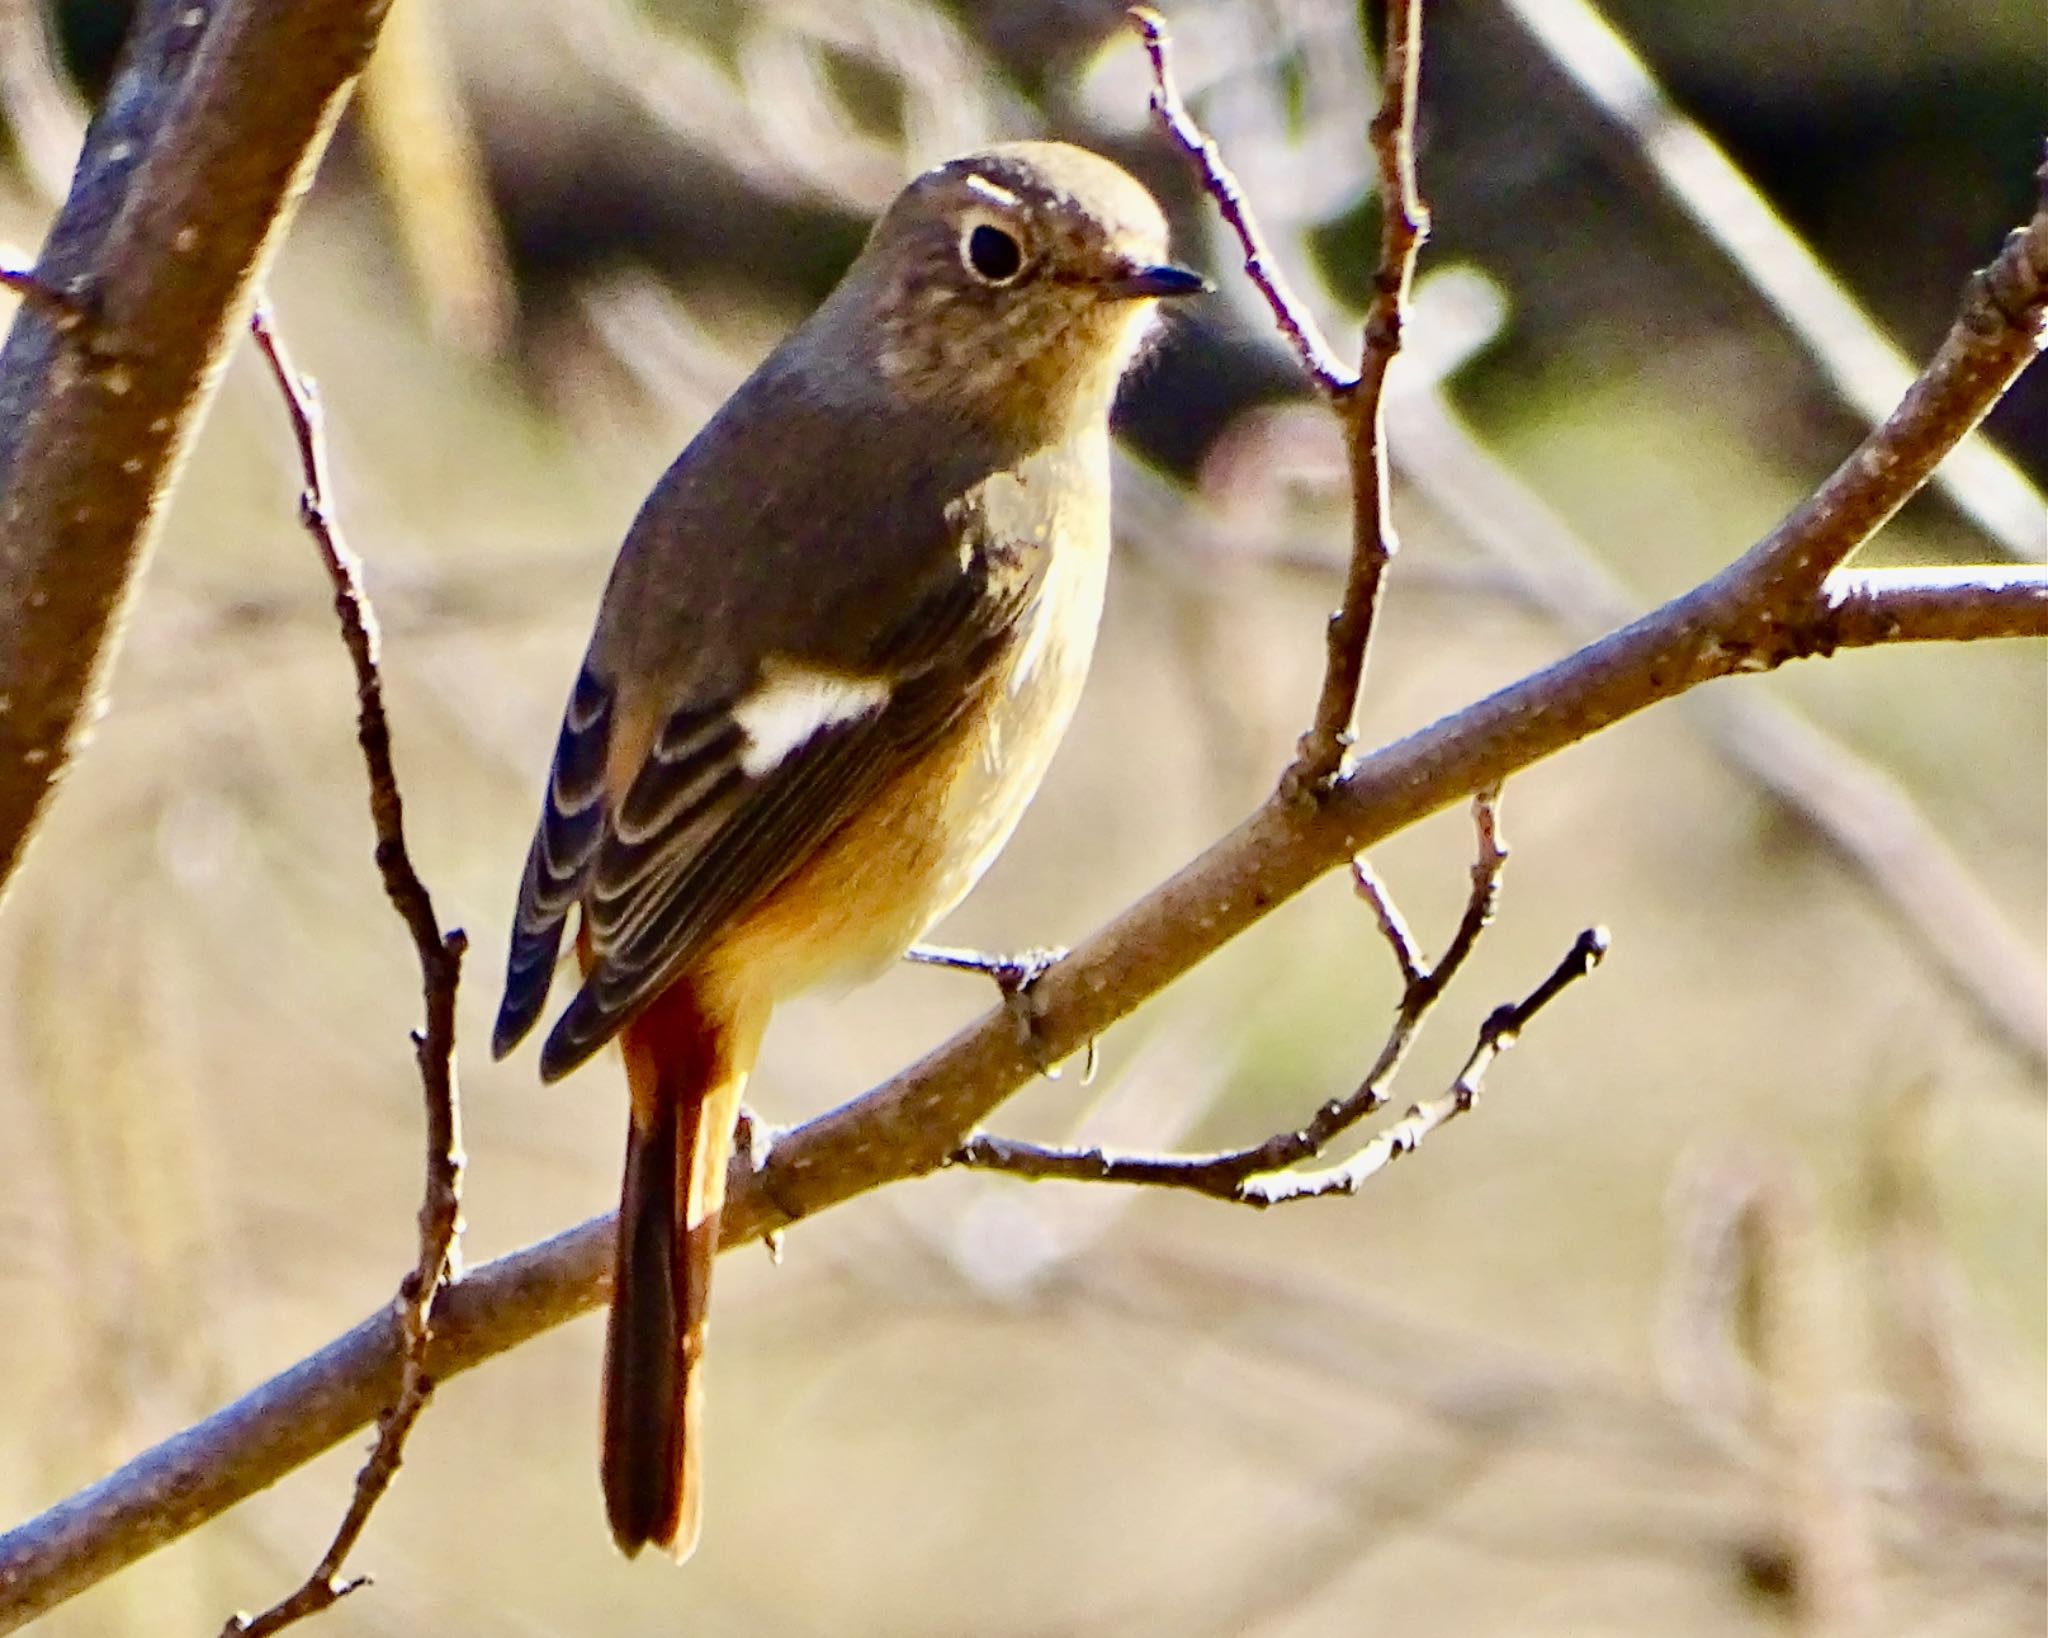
column 1016, row 975
column 755, row 1138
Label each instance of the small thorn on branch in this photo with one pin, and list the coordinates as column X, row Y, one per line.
column 66, row 311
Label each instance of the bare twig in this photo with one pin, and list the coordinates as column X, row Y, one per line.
column 1404, row 225
column 1365, row 882
column 911, row 1124
column 440, row 958
column 1330, row 374
column 1358, row 399
column 1503, row 1027
column 1260, row 1175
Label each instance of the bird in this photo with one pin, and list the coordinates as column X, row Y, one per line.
column 841, row 641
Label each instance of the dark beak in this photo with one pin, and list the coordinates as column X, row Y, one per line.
column 1160, row 282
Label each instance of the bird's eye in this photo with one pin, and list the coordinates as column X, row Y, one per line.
column 992, row 255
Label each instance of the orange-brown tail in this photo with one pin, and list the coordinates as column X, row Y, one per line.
column 686, row 1089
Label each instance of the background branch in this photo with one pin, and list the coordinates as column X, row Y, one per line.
column 1864, row 366
column 1761, row 611
column 190, row 172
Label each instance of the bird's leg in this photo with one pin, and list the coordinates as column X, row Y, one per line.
column 1016, row 976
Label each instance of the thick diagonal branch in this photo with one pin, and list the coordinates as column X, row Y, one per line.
column 217, row 115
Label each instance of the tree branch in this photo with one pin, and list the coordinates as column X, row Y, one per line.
column 1404, row 225
column 1263, row 1174
column 1295, row 322
column 440, row 960
column 1854, row 809
column 218, row 113
column 1358, row 400
column 1757, row 614
column 1866, row 607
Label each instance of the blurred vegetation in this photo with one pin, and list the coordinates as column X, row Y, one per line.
column 1737, row 1273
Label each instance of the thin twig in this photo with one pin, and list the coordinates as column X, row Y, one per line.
column 1357, row 399
column 1241, row 1178
column 1503, row 1027
column 1365, row 882
column 1330, row 374
column 440, row 958
column 1404, row 225
column 1260, row 1174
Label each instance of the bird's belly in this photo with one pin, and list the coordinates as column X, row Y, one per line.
column 917, row 849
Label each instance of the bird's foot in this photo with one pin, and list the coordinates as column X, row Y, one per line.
column 755, row 1138
column 1016, row 975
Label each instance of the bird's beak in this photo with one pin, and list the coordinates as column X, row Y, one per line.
column 1162, row 280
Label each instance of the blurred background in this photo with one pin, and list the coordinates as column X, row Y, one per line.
column 1722, row 1314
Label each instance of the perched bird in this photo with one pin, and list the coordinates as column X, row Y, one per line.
column 842, row 640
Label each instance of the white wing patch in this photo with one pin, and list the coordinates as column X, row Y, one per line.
column 792, row 704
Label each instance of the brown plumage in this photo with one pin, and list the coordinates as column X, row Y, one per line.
column 840, row 644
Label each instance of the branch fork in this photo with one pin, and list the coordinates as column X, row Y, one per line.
column 1265, row 1174
column 1356, row 398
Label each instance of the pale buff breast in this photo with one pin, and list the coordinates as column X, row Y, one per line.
column 922, row 844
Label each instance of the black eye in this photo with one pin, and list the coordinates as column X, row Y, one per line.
column 993, row 254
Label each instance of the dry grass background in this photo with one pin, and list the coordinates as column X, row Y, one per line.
column 969, row 1405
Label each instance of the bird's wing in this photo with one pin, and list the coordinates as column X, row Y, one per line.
column 733, row 794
